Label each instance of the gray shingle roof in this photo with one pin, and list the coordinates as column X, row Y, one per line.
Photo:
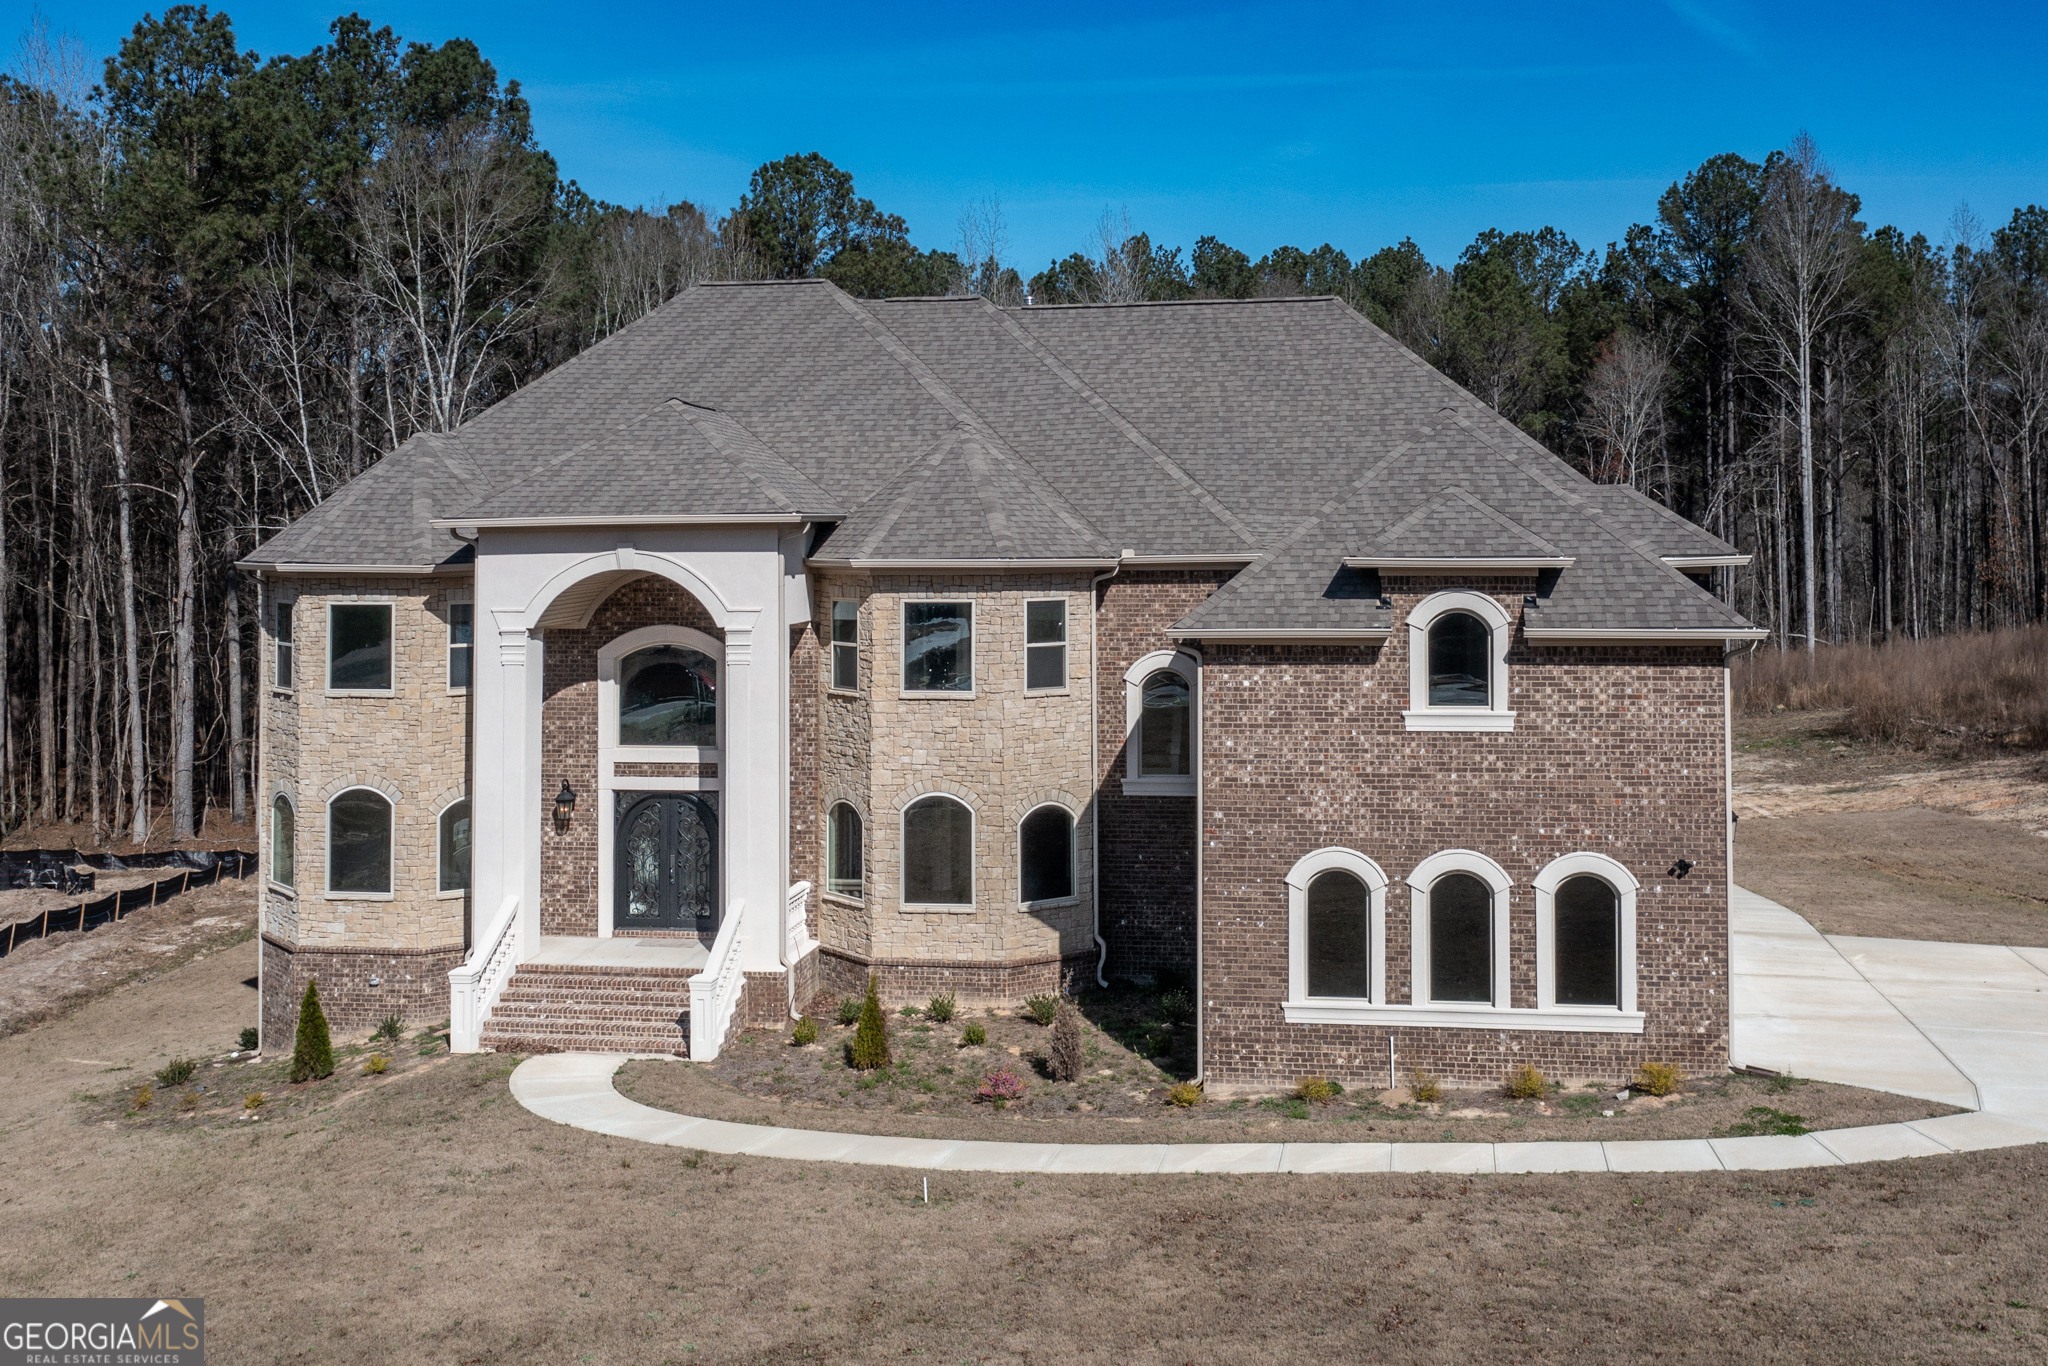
column 951, row 430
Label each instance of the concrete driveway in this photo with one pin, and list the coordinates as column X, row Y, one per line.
column 1965, row 1024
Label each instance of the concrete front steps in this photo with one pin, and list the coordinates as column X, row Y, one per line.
column 576, row 1008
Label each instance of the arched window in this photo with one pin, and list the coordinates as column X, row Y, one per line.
column 1339, row 935
column 1458, row 664
column 1588, row 930
column 938, row 853
column 359, row 842
column 668, row 695
column 1160, row 744
column 1045, row 854
column 842, row 851
column 283, row 822
column 1461, row 944
column 454, row 846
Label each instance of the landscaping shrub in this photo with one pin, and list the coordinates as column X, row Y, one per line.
column 312, row 1051
column 145, row 1096
column 1177, row 1005
column 1525, row 1083
column 176, row 1072
column 805, row 1033
column 392, row 1028
column 1184, row 1094
column 1424, row 1086
column 253, row 1100
column 911, row 1012
column 1159, row 1043
column 1000, row 1086
column 376, row 1065
column 1066, row 1057
column 974, row 1036
column 1659, row 1078
column 1318, row 1090
column 250, row 1038
column 849, row 1010
column 871, row 1040
column 1042, row 1008
column 941, row 1009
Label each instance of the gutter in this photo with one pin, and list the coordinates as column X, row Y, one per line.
column 267, row 567
column 466, row 527
column 971, row 565
column 1565, row 635
column 1707, row 561
column 1254, row 634
column 1463, row 564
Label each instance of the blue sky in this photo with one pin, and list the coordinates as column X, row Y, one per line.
column 1262, row 125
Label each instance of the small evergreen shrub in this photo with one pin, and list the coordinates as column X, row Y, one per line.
column 1317, row 1090
column 849, row 1010
column 805, row 1033
column 1000, row 1086
column 249, row 1039
column 176, row 1072
column 871, row 1039
column 392, row 1028
column 1659, row 1078
column 1067, row 1057
column 313, row 1050
column 1525, row 1083
column 1184, row 1094
column 1042, row 1008
column 1424, row 1086
column 145, row 1096
column 941, row 1009
column 253, row 1100
column 1177, row 1005
column 376, row 1065
column 974, row 1036
column 911, row 1012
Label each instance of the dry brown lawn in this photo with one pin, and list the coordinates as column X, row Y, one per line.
column 431, row 1219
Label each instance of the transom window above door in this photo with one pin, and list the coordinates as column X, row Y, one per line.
column 668, row 695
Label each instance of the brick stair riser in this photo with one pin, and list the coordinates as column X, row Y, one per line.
column 517, row 1025
column 595, row 998
column 560, row 1043
column 555, row 1008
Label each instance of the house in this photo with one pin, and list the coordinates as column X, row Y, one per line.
column 784, row 638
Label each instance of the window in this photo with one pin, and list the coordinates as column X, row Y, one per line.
column 1045, row 855
column 359, row 843
column 1458, row 664
column 461, row 644
column 846, row 646
column 668, row 695
column 1457, row 661
column 1585, row 936
column 1045, row 645
column 842, row 852
column 1460, row 939
column 1160, row 730
column 1336, row 934
column 1339, row 935
column 938, row 853
column 282, row 853
column 283, row 633
column 938, row 647
column 455, row 847
column 359, row 647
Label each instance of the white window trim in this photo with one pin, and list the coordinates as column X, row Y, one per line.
column 284, row 597
column 609, row 750
column 467, row 598
column 1066, row 647
column 439, row 894
column 290, row 889
column 858, row 898
column 973, row 647
column 1073, row 859
column 1554, row 875
column 1497, row 884
column 390, row 606
column 1306, row 870
column 903, row 854
column 1422, row 716
column 832, row 649
column 1137, row 784
column 327, row 848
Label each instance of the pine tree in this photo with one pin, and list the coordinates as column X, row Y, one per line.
column 871, row 1040
column 1067, row 1059
column 313, row 1052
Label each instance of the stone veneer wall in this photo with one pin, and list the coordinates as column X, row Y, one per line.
column 1148, row 843
column 1000, row 751
column 568, row 741
column 1619, row 751
column 414, row 747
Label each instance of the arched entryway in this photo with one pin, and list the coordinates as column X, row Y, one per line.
column 667, row 871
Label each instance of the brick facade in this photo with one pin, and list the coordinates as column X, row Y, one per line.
column 410, row 983
column 1618, row 751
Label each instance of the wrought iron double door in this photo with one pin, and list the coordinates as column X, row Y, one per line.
column 667, row 876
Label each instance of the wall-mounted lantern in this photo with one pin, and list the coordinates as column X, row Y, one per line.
column 565, row 806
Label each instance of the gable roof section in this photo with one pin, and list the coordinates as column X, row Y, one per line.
column 383, row 518
column 1452, row 526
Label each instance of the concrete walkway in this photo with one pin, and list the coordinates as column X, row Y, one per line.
column 1960, row 1023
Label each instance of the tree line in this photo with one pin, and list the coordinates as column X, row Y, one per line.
column 229, row 284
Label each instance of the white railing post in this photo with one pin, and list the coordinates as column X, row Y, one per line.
column 715, row 992
column 474, row 987
column 796, row 929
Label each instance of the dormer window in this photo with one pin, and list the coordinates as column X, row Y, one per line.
column 1458, row 663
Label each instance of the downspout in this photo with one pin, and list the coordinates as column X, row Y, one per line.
column 1195, row 729
column 1095, row 758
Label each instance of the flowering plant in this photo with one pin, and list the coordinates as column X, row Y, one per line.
column 1000, row 1085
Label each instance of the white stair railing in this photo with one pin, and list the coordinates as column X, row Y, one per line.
column 796, row 931
column 715, row 992
column 474, row 988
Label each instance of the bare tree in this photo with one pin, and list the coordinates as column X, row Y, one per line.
column 1625, row 400
column 1121, row 259
column 984, row 251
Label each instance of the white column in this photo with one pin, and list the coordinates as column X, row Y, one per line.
column 499, row 798
column 751, row 776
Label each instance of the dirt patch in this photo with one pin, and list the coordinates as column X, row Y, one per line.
column 762, row 1079
column 45, row 977
column 434, row 1219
